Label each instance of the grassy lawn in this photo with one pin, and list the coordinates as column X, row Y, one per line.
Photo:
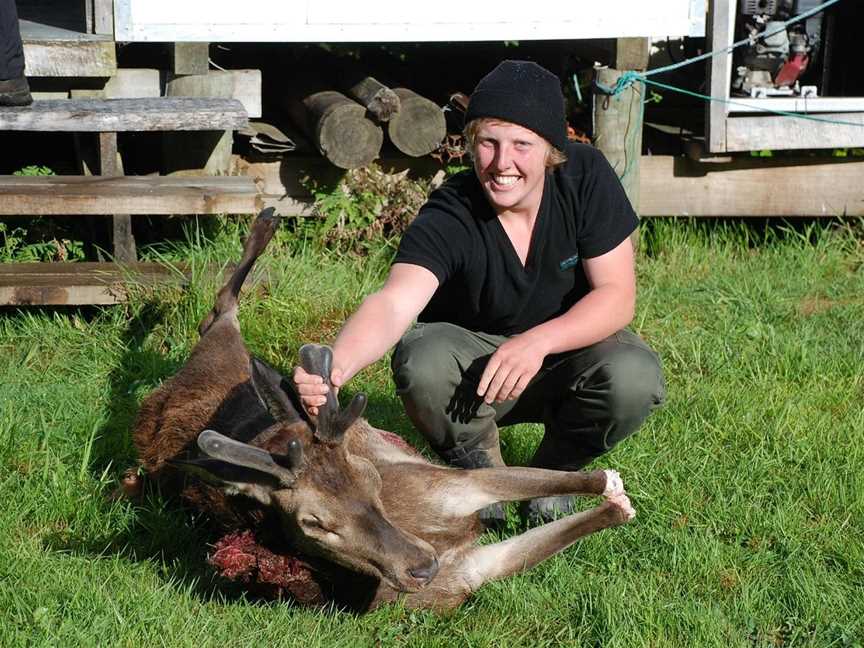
column 748, row 484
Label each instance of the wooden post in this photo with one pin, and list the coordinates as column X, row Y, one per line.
column 190, row 58
column 123, row 240
column 720, row 31
column 103, row 17
column 89, row 24
column 618, row 130
column 618, row 119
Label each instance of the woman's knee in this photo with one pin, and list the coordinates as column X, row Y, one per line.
column 424, row 361
column 633, row 382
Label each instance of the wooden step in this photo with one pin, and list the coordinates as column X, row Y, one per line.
column 53, row 51
column 76, row 284
column 115, row 115
column 78, row 195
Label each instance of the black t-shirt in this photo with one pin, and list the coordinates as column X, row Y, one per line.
column 483, row 286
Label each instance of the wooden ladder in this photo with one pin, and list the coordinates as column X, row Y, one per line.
column 113, row 194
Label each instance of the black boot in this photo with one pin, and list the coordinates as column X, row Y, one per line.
column 493, row 516
column 545, row 509
column 554, row 454
column 15, row 92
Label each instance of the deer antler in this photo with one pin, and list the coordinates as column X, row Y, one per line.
column 220, row 447
column 332, row 422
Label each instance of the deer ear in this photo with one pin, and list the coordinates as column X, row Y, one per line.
column 274, row 391
column 235, row 480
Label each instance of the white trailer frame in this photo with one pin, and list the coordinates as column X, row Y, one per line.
column 394, row 20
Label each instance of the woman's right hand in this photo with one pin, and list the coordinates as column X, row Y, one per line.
column 313, row 390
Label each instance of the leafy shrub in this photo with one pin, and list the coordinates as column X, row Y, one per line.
column 27, row 245
column 367, row 207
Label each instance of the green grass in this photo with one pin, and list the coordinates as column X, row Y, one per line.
column 748, row 482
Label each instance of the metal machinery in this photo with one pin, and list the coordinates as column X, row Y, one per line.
column 778, row 59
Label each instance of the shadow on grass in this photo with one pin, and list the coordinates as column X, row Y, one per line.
column 162, row 532
column 139, row 369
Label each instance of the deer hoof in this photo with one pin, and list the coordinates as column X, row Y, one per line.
column 622, row 503
column 614, row 484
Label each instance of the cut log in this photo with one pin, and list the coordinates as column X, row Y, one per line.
column 339, row 128
column 419, row 127
column 379, row 100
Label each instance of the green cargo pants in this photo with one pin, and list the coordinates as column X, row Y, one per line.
column 588, row 399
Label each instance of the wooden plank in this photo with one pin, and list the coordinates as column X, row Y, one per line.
column 745, row 133
column 127, row 83
column 797, row 104
column 282, row 177
column 720, row 32
column 74, row 284
column 88, row 58
column 146, row 114
column 79, row 195
column 243, row 85
column 757, row 187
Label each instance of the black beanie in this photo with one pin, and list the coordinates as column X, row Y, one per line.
column 523, row 93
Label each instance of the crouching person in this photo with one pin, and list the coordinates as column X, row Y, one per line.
column 520, row 276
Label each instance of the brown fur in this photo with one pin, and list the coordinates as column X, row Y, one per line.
column 378, row 518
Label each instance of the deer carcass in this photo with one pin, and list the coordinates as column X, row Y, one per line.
column 227, row 433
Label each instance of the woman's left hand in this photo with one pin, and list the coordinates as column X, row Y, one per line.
column 510, row 369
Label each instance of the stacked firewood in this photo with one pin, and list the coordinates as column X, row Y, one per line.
column 347, row 125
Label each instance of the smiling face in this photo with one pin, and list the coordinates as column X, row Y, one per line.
column 510, row 162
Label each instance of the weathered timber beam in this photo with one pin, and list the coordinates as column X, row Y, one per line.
column 113, row 115
column 74, row 284
column 677, row 186
column 78, row 195
column 81, row 58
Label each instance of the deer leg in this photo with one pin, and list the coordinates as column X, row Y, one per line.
column 227, row 298
column 489, row 562
column 462, row 492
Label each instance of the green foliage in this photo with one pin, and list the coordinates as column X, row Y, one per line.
column 748, row 482
column 367, row 206
column 28, row 244
column 34, row 170
column 14, row 247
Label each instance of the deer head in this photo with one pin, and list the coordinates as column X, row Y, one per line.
column 328, row 499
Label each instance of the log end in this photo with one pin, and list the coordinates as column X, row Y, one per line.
column 350, row 141
column 384, row 104
column 419, row 127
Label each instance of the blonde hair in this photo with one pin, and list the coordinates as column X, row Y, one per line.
column 554, row 157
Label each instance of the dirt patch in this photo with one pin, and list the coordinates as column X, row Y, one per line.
column 817, row 304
